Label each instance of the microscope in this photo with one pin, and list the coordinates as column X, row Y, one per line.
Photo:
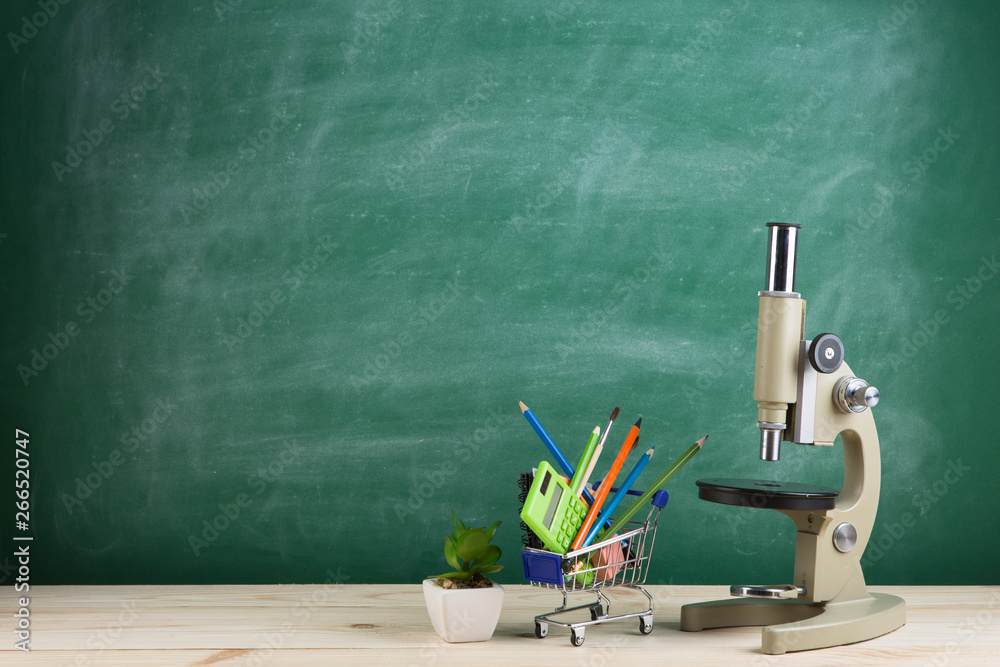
column 806, row 394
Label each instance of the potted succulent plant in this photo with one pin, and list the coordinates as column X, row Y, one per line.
column 464, row 605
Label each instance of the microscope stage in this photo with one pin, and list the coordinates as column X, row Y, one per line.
column 765, row 494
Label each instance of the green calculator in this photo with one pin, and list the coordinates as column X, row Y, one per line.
column 552, row 511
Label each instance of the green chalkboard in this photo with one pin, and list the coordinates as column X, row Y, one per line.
column 276, row 274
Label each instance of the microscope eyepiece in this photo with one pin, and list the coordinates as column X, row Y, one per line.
column 781, row 256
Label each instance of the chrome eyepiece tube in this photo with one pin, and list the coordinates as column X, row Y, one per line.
column 781, row 256
column 779, row 334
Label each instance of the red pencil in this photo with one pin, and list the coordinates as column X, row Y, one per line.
column 602, row 493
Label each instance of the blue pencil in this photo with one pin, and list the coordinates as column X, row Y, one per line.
column 619, row 496
column 566, row 466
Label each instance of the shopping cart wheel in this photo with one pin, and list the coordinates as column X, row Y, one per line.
column 541, row 629
column 645, row 624
column 596, row 612
column 576, row 636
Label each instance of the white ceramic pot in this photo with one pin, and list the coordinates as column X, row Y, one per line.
column 463, row 614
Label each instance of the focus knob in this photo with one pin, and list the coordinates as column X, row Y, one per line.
column 855, row 395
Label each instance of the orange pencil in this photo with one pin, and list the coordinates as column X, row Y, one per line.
column 602, row 493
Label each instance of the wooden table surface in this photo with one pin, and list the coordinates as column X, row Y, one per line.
column 340, row 624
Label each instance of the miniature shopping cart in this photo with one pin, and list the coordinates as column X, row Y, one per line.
column 621, row 560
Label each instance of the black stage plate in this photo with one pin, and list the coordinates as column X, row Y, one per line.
column 765, row 494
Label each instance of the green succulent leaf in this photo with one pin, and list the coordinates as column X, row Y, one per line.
column 490, row 555
column 450, row 553
column 469, row 551
column 472, row 544
column 492, row 529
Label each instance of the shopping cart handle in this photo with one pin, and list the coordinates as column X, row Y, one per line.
column 660, row 498
column 614, row 489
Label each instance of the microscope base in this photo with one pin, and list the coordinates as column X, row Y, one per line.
column 793, row 625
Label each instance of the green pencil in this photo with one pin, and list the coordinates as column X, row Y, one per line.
column 670, row 472
column 576, row 484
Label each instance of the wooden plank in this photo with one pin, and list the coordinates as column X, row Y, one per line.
column 453, row 656
column 388, row 624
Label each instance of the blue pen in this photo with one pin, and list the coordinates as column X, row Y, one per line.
column 547, row 440
column 619, row 496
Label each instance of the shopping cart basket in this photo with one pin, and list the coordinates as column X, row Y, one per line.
column 621, row 560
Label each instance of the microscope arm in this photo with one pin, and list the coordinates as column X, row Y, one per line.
column 829, row 543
